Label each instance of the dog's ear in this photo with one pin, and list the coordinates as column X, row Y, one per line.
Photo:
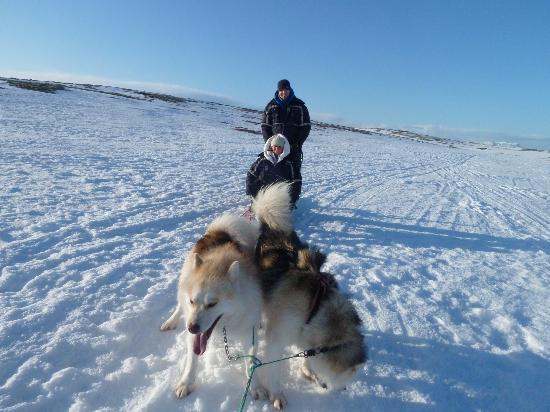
column 197, row 261
column 234, row 271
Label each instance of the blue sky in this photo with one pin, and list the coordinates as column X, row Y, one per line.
column 467, row 69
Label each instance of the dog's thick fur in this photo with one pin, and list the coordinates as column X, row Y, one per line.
column 237, row 270
column 218, row 285
column 295, row 312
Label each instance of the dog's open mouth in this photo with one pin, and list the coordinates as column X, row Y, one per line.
column 199, row 344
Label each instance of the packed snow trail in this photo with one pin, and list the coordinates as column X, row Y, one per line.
column 445, row 251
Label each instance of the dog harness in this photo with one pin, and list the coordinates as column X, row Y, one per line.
column 326, row 282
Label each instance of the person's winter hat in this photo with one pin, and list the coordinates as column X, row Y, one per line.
column 278, row 140
column 283, row 84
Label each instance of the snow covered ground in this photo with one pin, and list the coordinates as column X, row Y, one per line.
column 444, row 250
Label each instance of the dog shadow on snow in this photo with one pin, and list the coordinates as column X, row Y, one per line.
column 355, row 225
column 402, row 374
column 407, row 373
column 411, row 374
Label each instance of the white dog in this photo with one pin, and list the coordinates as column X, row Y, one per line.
column 218, row 286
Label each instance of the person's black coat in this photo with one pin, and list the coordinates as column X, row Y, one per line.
column 293, row 122
column 264, row 172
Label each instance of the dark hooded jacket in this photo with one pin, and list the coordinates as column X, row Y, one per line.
column 289, row 117
column 267, row 169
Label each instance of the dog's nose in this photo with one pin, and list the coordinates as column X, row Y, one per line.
column 193, row 328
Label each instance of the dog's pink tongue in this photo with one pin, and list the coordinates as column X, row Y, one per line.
column 199, row 344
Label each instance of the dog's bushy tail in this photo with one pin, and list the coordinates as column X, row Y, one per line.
column 238, row 228
column 310, row 260
column 272, row 207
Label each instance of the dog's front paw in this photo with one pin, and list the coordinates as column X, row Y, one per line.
column 168, row 325
column 182, row 390
column 312, row 377
column 279, row 401
column 259, row 392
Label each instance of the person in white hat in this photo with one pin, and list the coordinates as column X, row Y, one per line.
column 273, row 166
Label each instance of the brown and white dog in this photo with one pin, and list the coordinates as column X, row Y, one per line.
column 239, row 270
column 302, row 305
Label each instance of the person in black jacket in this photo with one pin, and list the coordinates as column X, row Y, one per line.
column 287, row 115
column 273, row 166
